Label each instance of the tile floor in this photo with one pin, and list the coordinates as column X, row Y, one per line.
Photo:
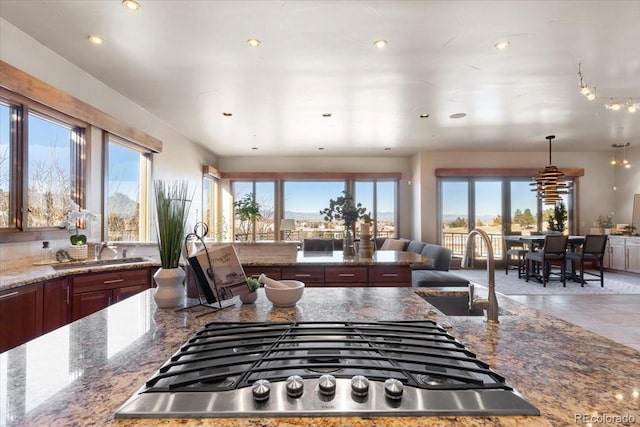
column 614, row 316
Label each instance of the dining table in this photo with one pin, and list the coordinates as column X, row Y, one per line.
column 536, row 241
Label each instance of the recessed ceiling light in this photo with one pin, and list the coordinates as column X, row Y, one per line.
column 254, row 148
column 320, row 148
column 95, row 39
column 458, row 115
column 131, row 5
column 380, row 43
column 326, row 115
column 227, row 114
column 501, row 45
column 423, row 116
column 253, row 42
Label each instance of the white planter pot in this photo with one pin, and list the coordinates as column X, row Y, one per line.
column 170, row 291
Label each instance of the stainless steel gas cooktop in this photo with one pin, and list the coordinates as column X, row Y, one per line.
column 395, row 368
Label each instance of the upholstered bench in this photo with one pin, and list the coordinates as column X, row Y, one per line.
column 433, row 274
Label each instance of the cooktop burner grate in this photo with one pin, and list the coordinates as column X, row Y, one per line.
column 231, row 361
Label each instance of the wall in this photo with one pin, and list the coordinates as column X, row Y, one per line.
column 25, row 53
column 595, row 195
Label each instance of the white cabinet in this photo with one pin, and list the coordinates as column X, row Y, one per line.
column 633, row 255
column 623, row 253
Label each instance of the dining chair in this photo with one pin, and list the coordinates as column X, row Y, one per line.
column 514, row 251
column 592, row 251
column 553, row 252
column 317, row 245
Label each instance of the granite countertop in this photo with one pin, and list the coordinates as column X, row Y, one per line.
column 82, row 373
column 249, row 254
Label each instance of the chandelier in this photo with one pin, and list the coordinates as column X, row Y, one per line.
column 620, row 162
column 549, row 185
column 631, row 104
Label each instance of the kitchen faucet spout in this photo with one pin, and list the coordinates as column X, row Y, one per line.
column 467, row 260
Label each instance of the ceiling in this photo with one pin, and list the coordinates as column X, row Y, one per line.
column 187, row 62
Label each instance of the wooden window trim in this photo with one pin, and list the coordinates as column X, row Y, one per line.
column 499, row 172
column 19, row 82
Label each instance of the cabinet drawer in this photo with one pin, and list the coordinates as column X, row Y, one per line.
column 303, row 274
column 110, row 280
column 383, row 274
column 345, row 274
column 255, row 272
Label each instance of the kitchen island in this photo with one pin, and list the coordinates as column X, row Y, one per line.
column 82, row 373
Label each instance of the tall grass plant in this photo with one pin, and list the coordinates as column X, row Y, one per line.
column 173, row 202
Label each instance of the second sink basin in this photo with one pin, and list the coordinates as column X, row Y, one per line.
column 98, row 263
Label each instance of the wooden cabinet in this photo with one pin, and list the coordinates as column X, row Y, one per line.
column 338, row 275
column 396, row 275
column 20, row 315
column 57, row 304
column 256, row 271
column 311, row 276
column 346, row 276
column 95, row 291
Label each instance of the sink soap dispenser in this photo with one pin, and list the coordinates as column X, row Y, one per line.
column 46, row 253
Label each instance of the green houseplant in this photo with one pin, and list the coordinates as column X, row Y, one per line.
column 558, row 219
column 173, row 202
column 248, row 212
column 344, row 208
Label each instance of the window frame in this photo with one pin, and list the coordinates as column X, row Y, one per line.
column 22, row 106
column 144, row 214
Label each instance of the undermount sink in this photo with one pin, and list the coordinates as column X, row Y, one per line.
column 457, row 306
column 98, row 263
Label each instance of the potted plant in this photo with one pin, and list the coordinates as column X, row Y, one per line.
column 605, row 223
column 172, row 208
column 345, row 209
column 78, row 249
column 248, row 212
column 250, row 298
column 556, row 223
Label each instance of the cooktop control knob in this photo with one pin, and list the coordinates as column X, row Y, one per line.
column 393, row 389
column 261, row 390
column 327, row 385
column 359, row 385
column 294, row 386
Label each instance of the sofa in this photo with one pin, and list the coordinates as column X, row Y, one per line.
column 433, row 274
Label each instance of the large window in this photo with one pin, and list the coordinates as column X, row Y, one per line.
column 127, row 191
column 499, row 206
column 41, row 165
column 380, row 198
column 262, row 193
column 303, row 201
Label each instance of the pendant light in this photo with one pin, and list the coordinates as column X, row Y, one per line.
column 548, row 184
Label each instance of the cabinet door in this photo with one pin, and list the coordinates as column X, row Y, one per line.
column 57, row 304
column 345, row 276
column 606, row 259
column 88, row 303
column 20, row 315
column 127, row 291
column 618, row 254
column 399, row 275
column 633, row 256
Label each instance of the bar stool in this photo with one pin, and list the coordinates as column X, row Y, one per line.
column 514, row 252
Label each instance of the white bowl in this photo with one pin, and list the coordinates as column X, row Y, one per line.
column 285, row 297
